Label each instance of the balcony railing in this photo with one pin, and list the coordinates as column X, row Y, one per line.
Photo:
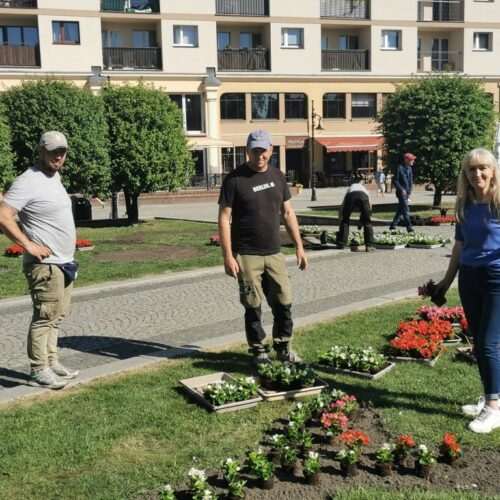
column 442, row 11
column 19, row 55
column 206, row 181
column 243, row 60
column 19, row 4
column 242, row 7
column 345, row 60
column 129, row 58
column 141, row 7
column 439, row 61
column 345, row 9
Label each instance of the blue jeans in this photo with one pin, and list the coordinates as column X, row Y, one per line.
column 403, row 211
column 479, row 289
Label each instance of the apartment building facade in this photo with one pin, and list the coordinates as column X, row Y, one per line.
column 312, row 72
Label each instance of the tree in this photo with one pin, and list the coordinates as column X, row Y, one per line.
column 148, row 146
column 35, row 107
column 439, row 119
column 6, row 156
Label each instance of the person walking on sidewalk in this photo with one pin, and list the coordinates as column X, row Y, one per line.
column 357, row 197
column 403, row 182
column 476, row 258
column 380, row 180
column 48, row 238
column 251, row 198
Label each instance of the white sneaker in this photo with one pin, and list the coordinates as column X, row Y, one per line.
column 474, row 410
column 63, row 371
column 487, row 420
column 46, row 378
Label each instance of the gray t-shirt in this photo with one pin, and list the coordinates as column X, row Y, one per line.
column 44, row 209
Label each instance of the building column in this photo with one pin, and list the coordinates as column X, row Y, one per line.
column 212, row 84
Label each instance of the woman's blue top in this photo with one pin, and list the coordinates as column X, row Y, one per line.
column 480, row 235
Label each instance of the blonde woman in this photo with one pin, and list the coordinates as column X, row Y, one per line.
column 476, row 258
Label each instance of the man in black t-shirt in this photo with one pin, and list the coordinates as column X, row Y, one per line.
column 252, row 197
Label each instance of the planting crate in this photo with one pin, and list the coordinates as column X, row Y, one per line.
column 354, row 373
column 389, row 247
column 270, row 395
column 421, row 245
column 423, row 361
column 193, row 387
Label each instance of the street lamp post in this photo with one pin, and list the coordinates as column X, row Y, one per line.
column 314, row 125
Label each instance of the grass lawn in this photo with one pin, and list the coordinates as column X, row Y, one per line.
column 385, row 211
column 150, row 248
column 126, row 436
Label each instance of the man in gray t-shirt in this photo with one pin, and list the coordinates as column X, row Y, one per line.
column 48, row 237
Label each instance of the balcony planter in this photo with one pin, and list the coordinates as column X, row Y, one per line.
column 277, row 395
column 423, row 361
column 354, row 373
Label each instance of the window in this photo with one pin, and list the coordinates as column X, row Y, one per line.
column 65, row 32
column 363, row 105
column 391, row 40
column 18, row 35
column 232, row 158
column 482, row 41
column 111, row 38
column 348, row 42
column 191, row 107
column 274, row 161
column 292, row 38
column 250, row 40
column 295, row 106
column 232, row 107
column 324, row 42
column 265, row 107
column 186, row 36
column 334, row 106
column 144, row 39
column 223, row 40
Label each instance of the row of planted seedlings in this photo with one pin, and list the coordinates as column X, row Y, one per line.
column 313, row 432
column 390, row 238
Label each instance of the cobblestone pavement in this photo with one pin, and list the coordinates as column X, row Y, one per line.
column 127, row 319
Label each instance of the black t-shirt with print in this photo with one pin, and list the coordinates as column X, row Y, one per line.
column 255, row 199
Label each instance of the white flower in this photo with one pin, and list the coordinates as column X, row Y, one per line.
column 313, row 454
column 422, row 448
column 229, row 460
column 291, row 424
column 299, row 406
column 207, row 495
column 167, row 489
column 387, row 446
column 287, row 371
column 275, row 437
column 250, row 380
column 196, row 473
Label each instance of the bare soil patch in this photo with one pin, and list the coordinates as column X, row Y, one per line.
column 479, row 471
column 150, row 253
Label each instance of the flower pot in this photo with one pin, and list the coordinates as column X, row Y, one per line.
column 290, row 468
column 349, row 470
column 267, row 484
column 313, row 478
column 384, row 469
column 453, row 461
column 423, row 471
column 401, row 460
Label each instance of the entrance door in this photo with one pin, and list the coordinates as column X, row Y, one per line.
column 296, row 166
column 439, row 53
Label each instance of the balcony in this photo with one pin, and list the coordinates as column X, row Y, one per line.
column 117, row 58
column 345, row 60
column 345, row 9
column 446, row 62
column 19, row 4
column 243, row 60
column 132, row 6
column 242, row 7
column 19, row 55
column 442, row 11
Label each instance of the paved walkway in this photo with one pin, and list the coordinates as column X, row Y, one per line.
column 124, row 325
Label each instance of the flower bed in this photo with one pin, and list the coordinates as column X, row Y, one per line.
column 83, row 245
column 14, row 251
column 390, row 240
column 354, row 361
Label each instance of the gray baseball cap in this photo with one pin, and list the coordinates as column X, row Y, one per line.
column 259, row 139
column 53, row 140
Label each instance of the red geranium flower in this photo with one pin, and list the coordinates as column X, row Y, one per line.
column 449, row 445
column 14, row 251
column 355, row 439
column 84, row 243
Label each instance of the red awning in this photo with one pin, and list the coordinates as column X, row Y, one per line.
column 336, row 144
